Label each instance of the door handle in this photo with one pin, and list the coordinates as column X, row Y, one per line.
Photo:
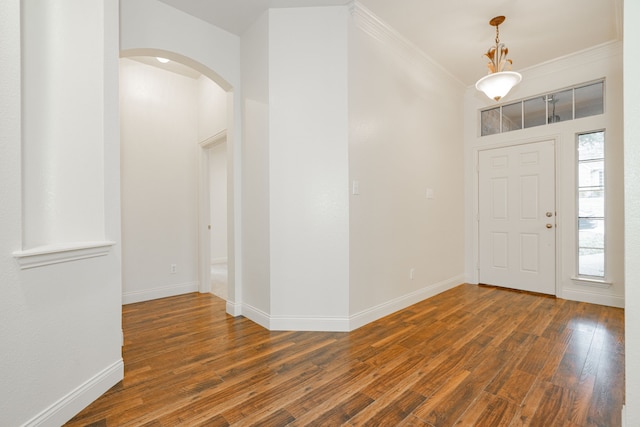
column 549, row 226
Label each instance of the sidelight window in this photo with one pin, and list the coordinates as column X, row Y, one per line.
column 591, row 204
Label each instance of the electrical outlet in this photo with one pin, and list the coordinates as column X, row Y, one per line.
column 173, row 269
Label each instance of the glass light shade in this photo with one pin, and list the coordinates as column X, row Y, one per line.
column 497, row 85
column 163, row 60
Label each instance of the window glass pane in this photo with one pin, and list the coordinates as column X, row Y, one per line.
column 591, row 146
column 535, row 112
column 589, row 100
column 512, row 117
column 490, row 121
column 591, row 262
column 591, row 248
column 560, row 106
column 591, row 233
column 591, row 204
column 591, row 174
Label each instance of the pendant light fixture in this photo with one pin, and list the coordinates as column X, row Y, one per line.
column 500, row 80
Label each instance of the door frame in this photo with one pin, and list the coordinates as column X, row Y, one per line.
column 204, row 211
column 476, row 201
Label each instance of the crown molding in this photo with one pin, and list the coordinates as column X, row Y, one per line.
column 591, row 54
column 379, row 30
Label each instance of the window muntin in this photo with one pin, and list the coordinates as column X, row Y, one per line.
column 512, row 117
column 591, row 204
column 567, row 104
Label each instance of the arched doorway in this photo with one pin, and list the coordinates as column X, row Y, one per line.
column 166, row 265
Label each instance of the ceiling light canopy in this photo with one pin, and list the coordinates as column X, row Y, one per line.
column 499, row 81
column 163, row 60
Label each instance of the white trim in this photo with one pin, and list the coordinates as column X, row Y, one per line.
column 597, row 53
column 584, row 295
column 74, row 402
column 234, row 309
column 159, row 292
column 340, row 324
column 376, row 28
column 216, row 139
column 204, row 217
column 59, row 253
column 256, row 315
column 598, row 283
column 309, row 323
column 221, row 260
column 374, row 313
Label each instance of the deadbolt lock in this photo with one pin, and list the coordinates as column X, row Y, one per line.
column 549, row 214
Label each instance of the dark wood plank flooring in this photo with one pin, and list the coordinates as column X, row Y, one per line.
column 471, row 356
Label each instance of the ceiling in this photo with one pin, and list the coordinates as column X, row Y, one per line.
column 456, row 33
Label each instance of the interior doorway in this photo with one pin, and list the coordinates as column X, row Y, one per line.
column 214, row 180
column 176, row 114
column 517, row 217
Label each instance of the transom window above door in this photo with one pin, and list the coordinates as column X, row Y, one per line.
column 567, row 104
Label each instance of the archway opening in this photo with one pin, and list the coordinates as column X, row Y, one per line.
column 172, row 115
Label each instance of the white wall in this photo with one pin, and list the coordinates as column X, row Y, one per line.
column 405, row 138
column 295, row 169
column 150, row 24
column 303, row 132
column 255, row 170
column 159, row 135
column 632, row 210
column 212, row 109
column 218, row 201
column 308, row 160
column 60, row 324
column 58, row 207
column 149, row 27
column 604, row 61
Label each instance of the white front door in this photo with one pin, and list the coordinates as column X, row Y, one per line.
column 517, row 217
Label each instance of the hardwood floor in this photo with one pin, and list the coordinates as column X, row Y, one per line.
column 471, row 356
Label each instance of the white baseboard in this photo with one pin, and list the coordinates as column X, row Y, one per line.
column 304, row 323
column 340, row 324
column 592, row 297
column 379, row 311
column 71, row 404
column 159, row 292
column 295, row 323
column 234, row 309
column 256, row 315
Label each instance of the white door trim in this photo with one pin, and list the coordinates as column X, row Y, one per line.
column 204, row 214
column 475, row 229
